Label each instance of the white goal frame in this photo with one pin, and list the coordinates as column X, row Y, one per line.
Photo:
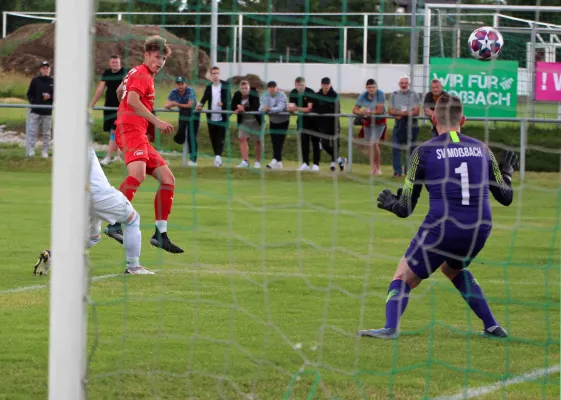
column 68, row 288
column 534, row 27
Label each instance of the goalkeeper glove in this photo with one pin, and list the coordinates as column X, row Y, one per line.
column 43, row 263
column 386, row 199
column 508, row 164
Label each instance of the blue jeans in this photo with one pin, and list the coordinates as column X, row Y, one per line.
column 398, row 147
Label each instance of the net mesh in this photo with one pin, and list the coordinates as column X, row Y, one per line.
column 281, row 269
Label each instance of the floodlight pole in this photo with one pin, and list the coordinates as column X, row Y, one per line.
column 214, row 33
column 68, row 288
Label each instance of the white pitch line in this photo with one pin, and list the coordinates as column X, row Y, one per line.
column 44, row 286
column 254, row 273
column 483, row 390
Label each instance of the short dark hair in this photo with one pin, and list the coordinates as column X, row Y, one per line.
column 300, row 79
column 114, row 56
column 215, row 68
column 157, row 43
column 449, row 110
column 370, row 82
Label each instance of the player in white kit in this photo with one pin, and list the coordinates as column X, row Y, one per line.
column 110, row 205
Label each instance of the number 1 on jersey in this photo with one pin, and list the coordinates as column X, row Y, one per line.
column 464, row 176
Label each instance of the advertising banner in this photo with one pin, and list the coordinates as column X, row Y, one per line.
column 487, row 89
column 548, row 81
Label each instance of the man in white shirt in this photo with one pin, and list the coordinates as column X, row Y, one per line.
column 217, row 95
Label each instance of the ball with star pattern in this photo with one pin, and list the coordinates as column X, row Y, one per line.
column 485, row 43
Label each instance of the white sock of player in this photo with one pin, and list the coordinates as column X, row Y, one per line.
column 162, row 226
column 131, row 240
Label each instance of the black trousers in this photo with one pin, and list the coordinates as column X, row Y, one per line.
column 305, row 139
column 331, row 145
column 217, row 133
column 278, row 135
column 188, row 130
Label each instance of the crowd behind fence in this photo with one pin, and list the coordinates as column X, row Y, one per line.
column 524, row 123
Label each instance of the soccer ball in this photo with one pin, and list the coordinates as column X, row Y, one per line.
column 485, row 43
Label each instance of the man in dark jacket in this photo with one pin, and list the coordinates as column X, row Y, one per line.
column 327, row 102
column 301, row 99
column 40, row 91
column 249, row 125
column 217, row 95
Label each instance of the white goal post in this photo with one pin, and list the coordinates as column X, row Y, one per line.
column 68, row 286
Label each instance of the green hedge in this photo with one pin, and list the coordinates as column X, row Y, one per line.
column 505, row 135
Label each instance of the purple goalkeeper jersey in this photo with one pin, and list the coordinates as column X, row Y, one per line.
column 458, row 172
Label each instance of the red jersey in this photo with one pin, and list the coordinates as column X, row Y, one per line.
column 139, row 80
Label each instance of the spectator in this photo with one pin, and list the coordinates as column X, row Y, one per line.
column 244, row 100
column 372, row 102
column 404, row 104
column 273, row 102
column 40, row 92
column 217, row 94
column 110, row 79
column 184, row 99
column 328, row 103
column 430, row 102
column 301, row 100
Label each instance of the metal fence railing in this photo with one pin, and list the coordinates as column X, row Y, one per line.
column 524, row 122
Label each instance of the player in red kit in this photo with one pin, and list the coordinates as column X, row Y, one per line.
column 134, row 120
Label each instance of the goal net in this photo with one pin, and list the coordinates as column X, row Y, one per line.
column 282, row 267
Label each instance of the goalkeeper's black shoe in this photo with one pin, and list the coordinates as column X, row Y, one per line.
column 114, row 231
column 162, row 241
column 495, row 331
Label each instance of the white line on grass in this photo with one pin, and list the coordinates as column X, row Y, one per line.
column 483, row 390
column 32, row 288
column 46, row 285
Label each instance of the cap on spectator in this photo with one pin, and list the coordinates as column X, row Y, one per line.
column 44, row 64
column 180, row 79
column 271, row 84
column 325, row 81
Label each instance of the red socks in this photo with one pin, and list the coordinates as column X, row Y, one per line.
column 163, row 202
column 129, row 187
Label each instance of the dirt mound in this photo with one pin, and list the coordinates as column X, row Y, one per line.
column 24, row 49
column 254, row 81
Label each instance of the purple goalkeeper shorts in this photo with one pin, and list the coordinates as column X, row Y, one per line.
column 430, row 248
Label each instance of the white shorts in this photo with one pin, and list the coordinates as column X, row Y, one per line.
column 111, row 207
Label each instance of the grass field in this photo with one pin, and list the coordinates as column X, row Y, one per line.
column 279, row 273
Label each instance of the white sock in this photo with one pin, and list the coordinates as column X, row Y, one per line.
column 132, row 241
column 162, row 226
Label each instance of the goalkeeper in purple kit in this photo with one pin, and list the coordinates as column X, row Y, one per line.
column 458, row 172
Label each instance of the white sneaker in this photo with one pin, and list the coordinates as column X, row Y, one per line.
column 304, row 167
column 31, row 153
column 218, row 161
column 332, row 168
column 315, row 168
column 138, row 271
column 192, row 164
column 243, row 164
column 105, row 161
column 279, row 165
column 45, row 154
column 257, row 165
column 272, row 164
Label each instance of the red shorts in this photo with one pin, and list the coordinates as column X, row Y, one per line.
column 133, row 142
